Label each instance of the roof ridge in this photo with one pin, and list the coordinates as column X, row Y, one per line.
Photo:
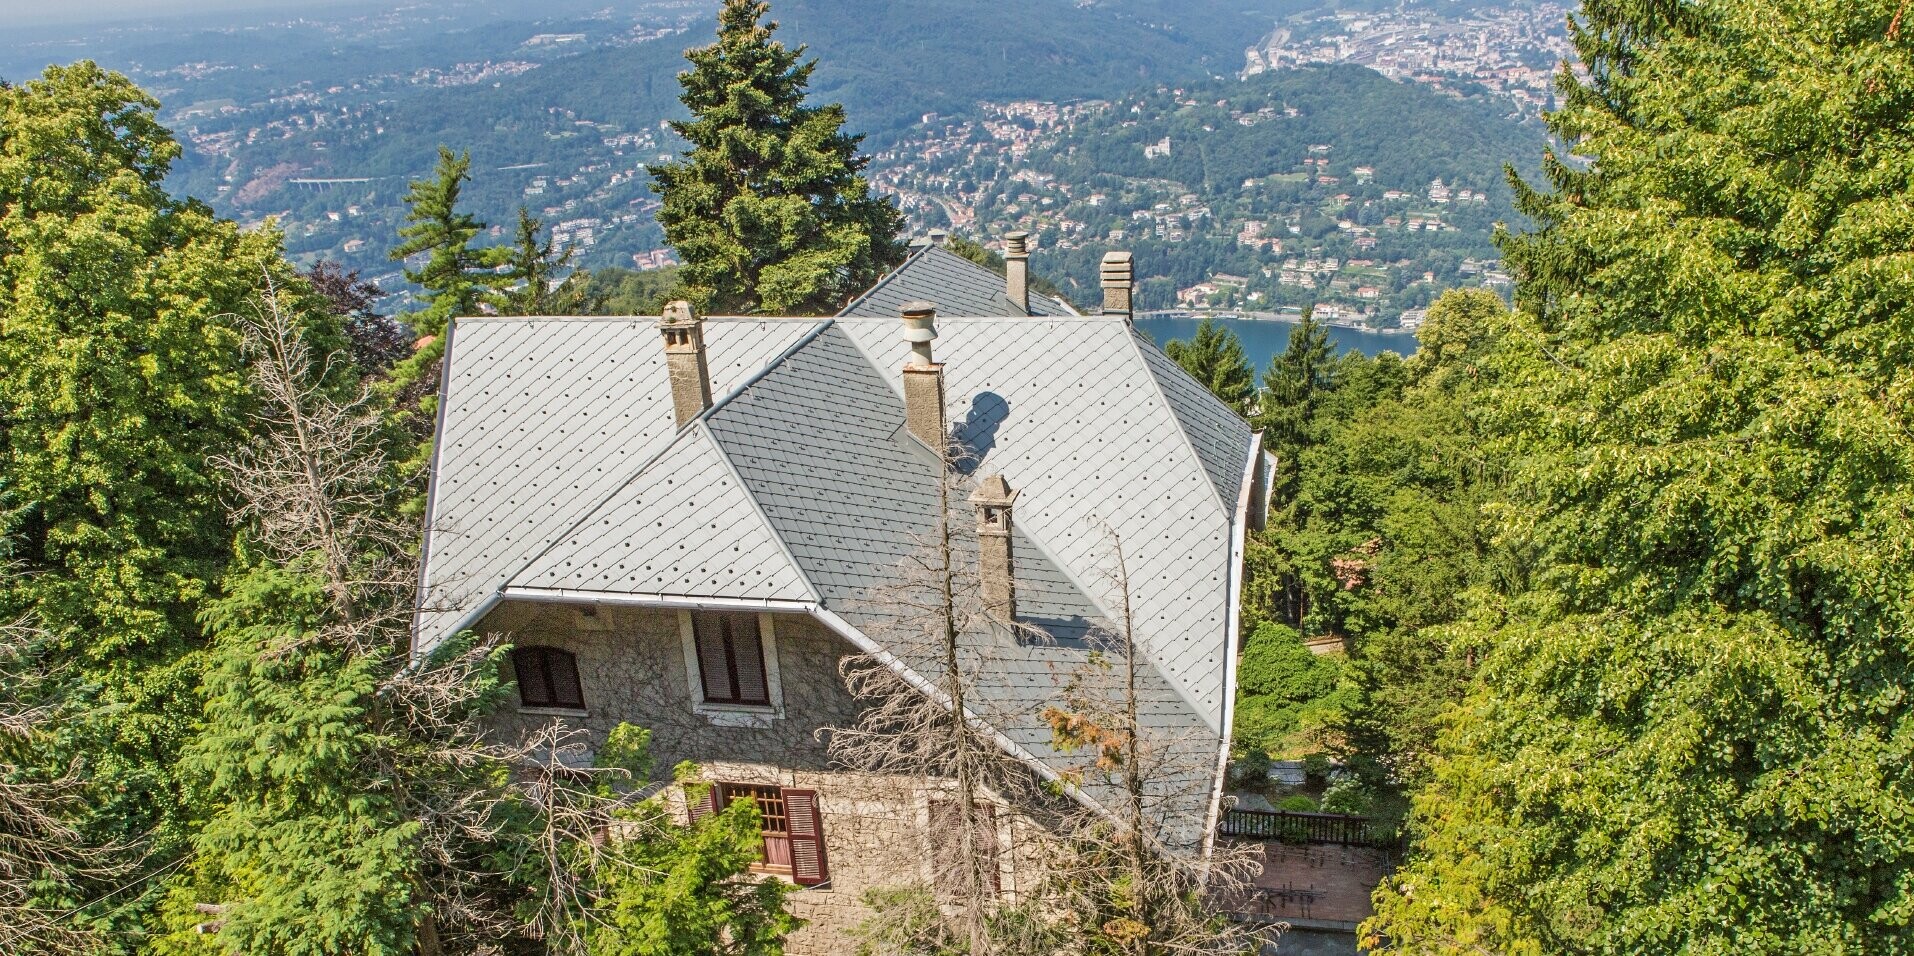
column 886, row 280
column 1182, row 431
column 757, row 508
column 753, row 378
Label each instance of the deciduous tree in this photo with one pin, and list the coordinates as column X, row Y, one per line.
column 1691, row 733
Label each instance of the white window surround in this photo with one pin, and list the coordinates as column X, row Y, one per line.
column 743, row 715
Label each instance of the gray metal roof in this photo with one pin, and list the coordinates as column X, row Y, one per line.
column 1073, row 414
column 541, row 419
column 559, row 470
column 958, row 286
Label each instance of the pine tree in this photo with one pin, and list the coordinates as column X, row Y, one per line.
column 1215, row 358
column 456, row 276
column 1691, row 734
column 124, row 375
column 768, row 210
column 534, row 264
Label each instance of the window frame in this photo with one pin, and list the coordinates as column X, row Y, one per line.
column 805, row 845
column 722, row 711
column 546, row 657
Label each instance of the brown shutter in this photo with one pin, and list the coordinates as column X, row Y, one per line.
column 565, row 691
column 747, row 651
column 808, row 864
column 701, row 803
column 714, row 665
column 534, row 684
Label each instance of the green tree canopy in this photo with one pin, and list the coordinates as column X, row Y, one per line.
column 124, row 375
column 1693, row 733
column 1214, row 356
column 768, row 210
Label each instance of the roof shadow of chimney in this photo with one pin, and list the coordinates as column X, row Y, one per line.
column 978, row 432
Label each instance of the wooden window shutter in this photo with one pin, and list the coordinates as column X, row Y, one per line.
column 747, row 657
column 701, row 804
column 561, row 670
column 809, row 866
column 714, row 665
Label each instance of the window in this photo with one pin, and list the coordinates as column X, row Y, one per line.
column 731, row 659
column 793, row 828
column 547, row 677
column 946, row 852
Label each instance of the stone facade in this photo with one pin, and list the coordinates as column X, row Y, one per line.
column 633, row 669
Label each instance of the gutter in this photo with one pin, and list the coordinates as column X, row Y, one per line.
column 1238, row 543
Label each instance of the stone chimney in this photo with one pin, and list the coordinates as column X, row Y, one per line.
column 1119, row 283
column 1017, row 271
column 683, row 330
column 939, row 237
column 995, row 564
column 923, row 377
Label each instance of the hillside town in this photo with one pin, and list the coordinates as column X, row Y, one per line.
column 1511, row 53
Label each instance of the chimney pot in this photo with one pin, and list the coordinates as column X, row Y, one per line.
column 939, row 237
column 923, row 377
column 1119, row 284
column 996, row 560
column 683, row 331
column 1017, row 271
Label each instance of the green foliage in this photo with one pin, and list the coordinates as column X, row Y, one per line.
column 1215, row 358
column 1288, row 698
column 532, row 266
column 768, row 210
column 677, row 891
column 456, row 276
column 1691, row 729
column 123, row 376
column 301, row 830
column 624, row 291
column 1294, row 387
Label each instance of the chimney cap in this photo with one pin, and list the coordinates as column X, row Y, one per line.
column 1017, row 243
column 919, row 321
column 1117, row 267
column 938, row 237
column 995, row 492
column 679, row 312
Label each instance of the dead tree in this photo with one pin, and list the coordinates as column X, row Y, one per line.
column 934, row 727
column 1136, row 872
column 315, row 484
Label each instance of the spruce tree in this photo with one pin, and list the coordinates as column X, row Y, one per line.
column 456, row 276
column 1295, row 383
column 1693, row 733
column 768, row 210
column 1214, row 356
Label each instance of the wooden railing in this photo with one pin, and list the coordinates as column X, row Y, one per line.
column 1295, row 827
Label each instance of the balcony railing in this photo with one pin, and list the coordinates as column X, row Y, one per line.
column 1296, row 827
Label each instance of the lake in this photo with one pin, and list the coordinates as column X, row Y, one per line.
column 1262, row 339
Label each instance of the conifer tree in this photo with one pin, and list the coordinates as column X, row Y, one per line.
column 1692, row 733
column 768, row 210
column 1295, row 383
column 536, row 264
column 456, row 276
column 1214, row 356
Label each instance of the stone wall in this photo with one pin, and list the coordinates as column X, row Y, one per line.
column 632, row 666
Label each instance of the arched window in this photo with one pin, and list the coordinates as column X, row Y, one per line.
column 547, row 677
